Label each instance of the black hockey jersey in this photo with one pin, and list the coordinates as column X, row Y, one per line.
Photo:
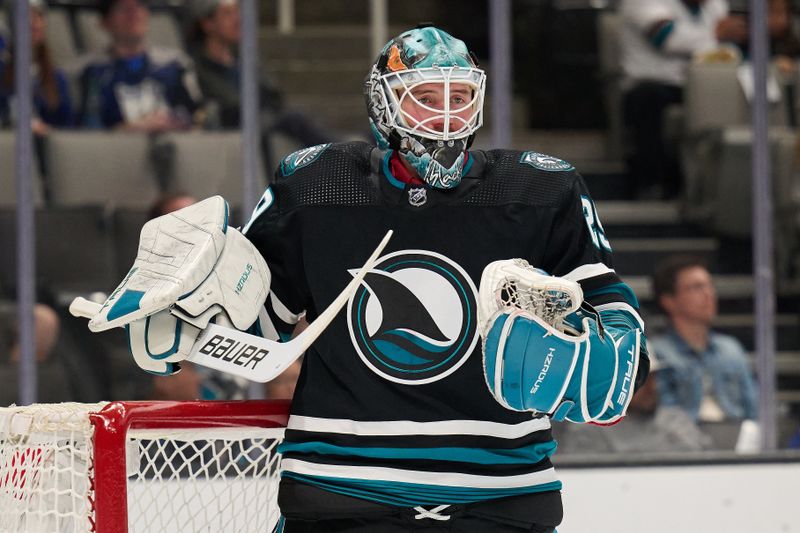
column 391, row 404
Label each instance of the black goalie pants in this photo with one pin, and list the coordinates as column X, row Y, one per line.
column 308, row 509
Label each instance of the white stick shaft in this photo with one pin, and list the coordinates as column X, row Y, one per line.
column 81, row 307
column 259, row 359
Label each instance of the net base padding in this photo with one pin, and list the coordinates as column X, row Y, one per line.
column 176, row 467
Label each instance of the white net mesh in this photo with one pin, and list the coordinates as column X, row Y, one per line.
column 217, row 482
column 45, row 464
column 178, row 480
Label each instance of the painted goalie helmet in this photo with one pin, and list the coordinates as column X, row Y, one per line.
column 424, row 96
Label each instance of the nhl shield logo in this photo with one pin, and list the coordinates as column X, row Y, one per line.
column 417, row 196
column 301, row 158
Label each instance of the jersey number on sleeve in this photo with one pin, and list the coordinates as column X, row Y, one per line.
column 593, row 222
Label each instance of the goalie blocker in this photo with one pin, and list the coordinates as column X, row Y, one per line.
column 544, row 354
column 195, row 286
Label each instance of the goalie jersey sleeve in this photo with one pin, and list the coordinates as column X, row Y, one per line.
column 272, row 231
column 579, row 249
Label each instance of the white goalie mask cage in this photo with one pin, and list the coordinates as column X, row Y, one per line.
column 447, row 119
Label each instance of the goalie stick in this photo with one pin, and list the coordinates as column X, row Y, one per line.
column 250, row 356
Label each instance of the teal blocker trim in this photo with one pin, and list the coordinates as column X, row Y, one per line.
column 175, row 342
column 255, row 329
column 413, row 494
column 619, row 288
column 531, row 454
column 170, row 366
column 661, row 35
column 127, row 304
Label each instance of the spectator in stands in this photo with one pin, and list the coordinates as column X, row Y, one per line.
column 649, row 427
column 56, row 384
column 214, row 36
column 46, row 326
column 132, row 85
column 169, row 202
column 51, row 98
column 282, row 387
column 185, row 385
column 704, row 372
column 658, row 40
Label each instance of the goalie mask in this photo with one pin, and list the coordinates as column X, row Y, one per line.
column 425, row 99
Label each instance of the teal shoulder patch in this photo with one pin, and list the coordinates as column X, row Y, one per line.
column 545, row 162
column 301, row 158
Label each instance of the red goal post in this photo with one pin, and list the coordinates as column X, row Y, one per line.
column 140, row 466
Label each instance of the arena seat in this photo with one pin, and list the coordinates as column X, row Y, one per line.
column 126, row 225
column 209, row 163
column 608, row 31
column 715, row 99
column 92, row 36
column 8, row 175
column 714, row 102
column 60, row 37
column 163, row 31
column 100, row 168
column 73, row 250
column 717, row 160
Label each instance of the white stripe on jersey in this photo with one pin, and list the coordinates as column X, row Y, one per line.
column 588, row 271
column 448, row 479
column 408, row 427
column 283, row 312
column 621, row 306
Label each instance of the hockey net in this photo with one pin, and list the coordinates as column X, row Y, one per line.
column 150, row 467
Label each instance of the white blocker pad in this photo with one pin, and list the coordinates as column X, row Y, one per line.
column 177, row 252
column 239, row 284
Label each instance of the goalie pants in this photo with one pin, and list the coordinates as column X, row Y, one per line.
column 308, row 509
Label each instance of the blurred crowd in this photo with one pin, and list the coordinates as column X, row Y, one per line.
column 129, row 84
column 702, row 393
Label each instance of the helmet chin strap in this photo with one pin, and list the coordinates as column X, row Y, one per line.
column 440, row 165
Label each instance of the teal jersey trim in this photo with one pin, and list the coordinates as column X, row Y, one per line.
column 619, row 319
column 619, row 288
column 525, row 455
column 468, row 164
column 127, row 303
column 661, row 35
column 388, row 173
column 413, row 494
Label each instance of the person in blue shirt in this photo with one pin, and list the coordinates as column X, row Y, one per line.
column 51, row 98
column 704, row 372
column 134, row 86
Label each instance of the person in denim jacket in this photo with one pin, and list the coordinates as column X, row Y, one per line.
column 704, row 372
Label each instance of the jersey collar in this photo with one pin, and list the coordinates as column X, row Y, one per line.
column 399, row 176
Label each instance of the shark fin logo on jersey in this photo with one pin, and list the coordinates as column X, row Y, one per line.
column 413, row 319
column 301, row 158
column 545, row 162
